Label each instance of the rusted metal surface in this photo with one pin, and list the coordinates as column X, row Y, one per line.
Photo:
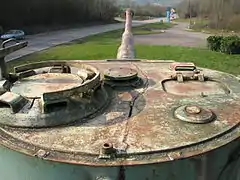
column 193, row 88
column 139, row 122
column 54, row 98
column 13, row 101
column 4, row 86
column 35, row 86
column 194, row 114
column 119, row 119
column 119, row 73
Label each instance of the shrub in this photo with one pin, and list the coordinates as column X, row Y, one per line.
column 230, row 45
column 214, row 42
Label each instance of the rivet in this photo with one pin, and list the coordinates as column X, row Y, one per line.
column 107, row 148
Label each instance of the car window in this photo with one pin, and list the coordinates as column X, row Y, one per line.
column 20, row 32
column 11, row 31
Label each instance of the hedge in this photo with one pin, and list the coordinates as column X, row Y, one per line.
column 214, row 42
column 227, row 44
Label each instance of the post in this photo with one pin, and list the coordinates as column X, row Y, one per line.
column 168, row 14
column 126, row 49
column 190, row 14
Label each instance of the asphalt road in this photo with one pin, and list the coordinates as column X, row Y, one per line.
column 176, row 36
column 43, row 41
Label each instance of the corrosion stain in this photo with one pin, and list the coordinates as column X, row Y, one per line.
column 125, row 96
column 193, row 87
column 230, row 114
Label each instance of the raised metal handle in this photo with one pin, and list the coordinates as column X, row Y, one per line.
column 4, row 51
column 183, row 66
column 192, row 72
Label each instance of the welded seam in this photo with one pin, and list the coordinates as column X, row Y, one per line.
column 31, row 105
column 121, row 175
column 132, row 103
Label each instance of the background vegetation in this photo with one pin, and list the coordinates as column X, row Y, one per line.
column 221, row 14
column 28, row 13
column 142, row 11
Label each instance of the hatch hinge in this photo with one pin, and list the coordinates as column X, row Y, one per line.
column 13, row 101
column 186, row 71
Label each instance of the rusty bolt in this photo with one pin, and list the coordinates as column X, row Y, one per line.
column 193, row 109
column 107, row 151
column 107, row 148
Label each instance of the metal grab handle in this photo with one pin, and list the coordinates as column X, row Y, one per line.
column 180, row 76
column 4, row 51
column 183, row 66
column 7, row 41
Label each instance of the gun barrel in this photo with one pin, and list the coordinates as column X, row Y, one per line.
column 126, row 49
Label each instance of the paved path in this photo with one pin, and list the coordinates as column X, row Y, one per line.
column 43, row 41
column 177, row 36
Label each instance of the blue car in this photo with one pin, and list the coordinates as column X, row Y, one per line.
column 16, row 34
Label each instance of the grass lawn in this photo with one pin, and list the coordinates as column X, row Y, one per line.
column 104, row 46
column 112, row 36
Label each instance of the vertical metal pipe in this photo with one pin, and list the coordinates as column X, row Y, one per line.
column 3, row 69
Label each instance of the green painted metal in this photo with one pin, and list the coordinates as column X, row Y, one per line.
column 17, row 166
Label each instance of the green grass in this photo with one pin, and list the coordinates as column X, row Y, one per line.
column 105, row 46
column 113, row 36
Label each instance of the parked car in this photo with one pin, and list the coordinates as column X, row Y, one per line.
column 17, row 34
